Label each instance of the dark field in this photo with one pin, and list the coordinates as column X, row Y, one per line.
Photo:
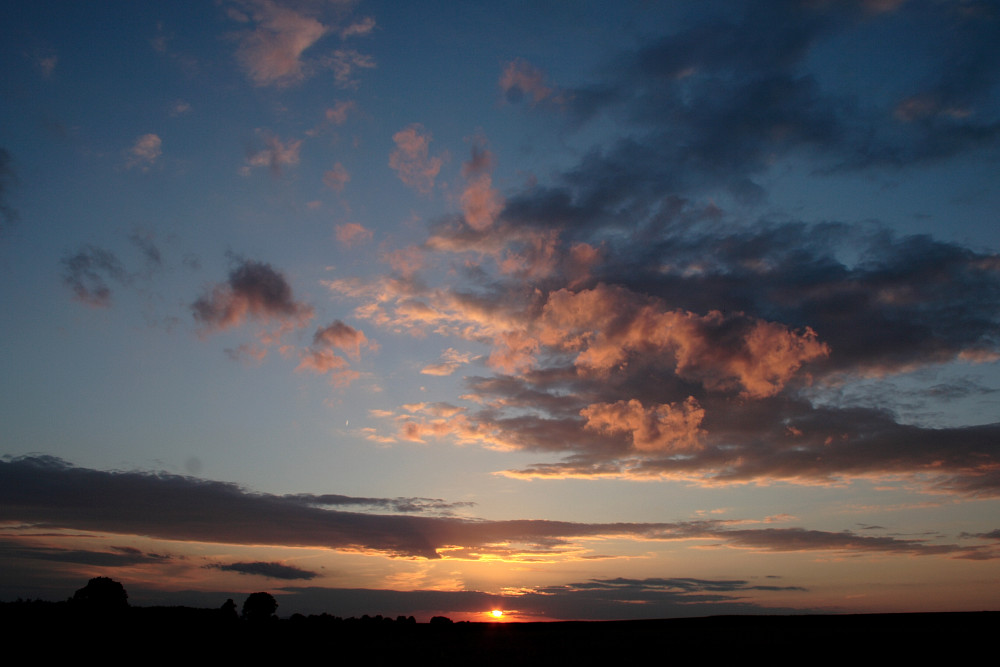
column 173, row 634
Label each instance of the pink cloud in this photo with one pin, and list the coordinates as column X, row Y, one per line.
column 337, row 178
column 359, row 28
column 253, row 290
column 481, row 204
column 412, row 161
column 338, row 114
column 320, row 357
column 344, row 63
column 272, row 53
column 520, row 78
column 342, row 337
column 451, row 360
column 274, row 155
column 405, row 261
column 352, row 233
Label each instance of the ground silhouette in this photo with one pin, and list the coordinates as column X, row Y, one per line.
column 89, row 619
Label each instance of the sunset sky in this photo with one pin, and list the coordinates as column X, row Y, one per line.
column 578, row 310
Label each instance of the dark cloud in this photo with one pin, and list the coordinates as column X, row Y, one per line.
column 253, row 290
column 270, row 570
column 8, row 177
column 706, row 314
column 405, row 505
column 146, row 245
column 45, row 491
column 992, row 535
column 711, row 106
column 117, row 557
column 88, row 272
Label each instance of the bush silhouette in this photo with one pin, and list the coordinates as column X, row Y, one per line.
column 101, row 595
column 259, row 607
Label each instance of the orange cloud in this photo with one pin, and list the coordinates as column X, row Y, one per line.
column 607, row 324
column 343, row 337
column 669, row 427
column 481, row 204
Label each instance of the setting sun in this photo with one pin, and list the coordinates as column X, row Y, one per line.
column 496, row 613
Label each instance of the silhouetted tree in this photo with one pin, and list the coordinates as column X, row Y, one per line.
column 228, row 611
column 440, row 620
column 259, row 607
column 101, row 595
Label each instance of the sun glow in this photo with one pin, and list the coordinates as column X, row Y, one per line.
column 496, row 613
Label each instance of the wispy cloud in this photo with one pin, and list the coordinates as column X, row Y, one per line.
column 521, row 79
column 88, row 271
column 352, row 233
column 144, row 153
column 275, row 154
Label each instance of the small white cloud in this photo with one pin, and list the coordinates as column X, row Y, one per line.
column 144, row 152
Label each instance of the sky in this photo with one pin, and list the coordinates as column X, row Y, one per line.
column 574, row 310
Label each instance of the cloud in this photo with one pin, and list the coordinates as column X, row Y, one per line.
column 412, row 161
column 344, row 63
column 359, row 28
column 144, row 152
column 352, row 233
column 47, row 491
column 520, row 79
column 88, row 271
column 481, row 204
column 47, row 65
column 146, row 245
column 272, row 52
column 336, row 178
column 269, row 570
column 118, row 556
column 320, row 358
column 609, row 375
column 8, row 177
column 343, row 337
column 253, row 290
column 666, row 427
column 451, row 361
column 338, row 113
column 274, row 155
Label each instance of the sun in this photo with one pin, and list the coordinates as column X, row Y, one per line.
column 497, row 613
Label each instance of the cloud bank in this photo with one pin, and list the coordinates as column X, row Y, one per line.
column 44, row 491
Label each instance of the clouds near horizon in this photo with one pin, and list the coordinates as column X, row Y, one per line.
column 50, row 492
